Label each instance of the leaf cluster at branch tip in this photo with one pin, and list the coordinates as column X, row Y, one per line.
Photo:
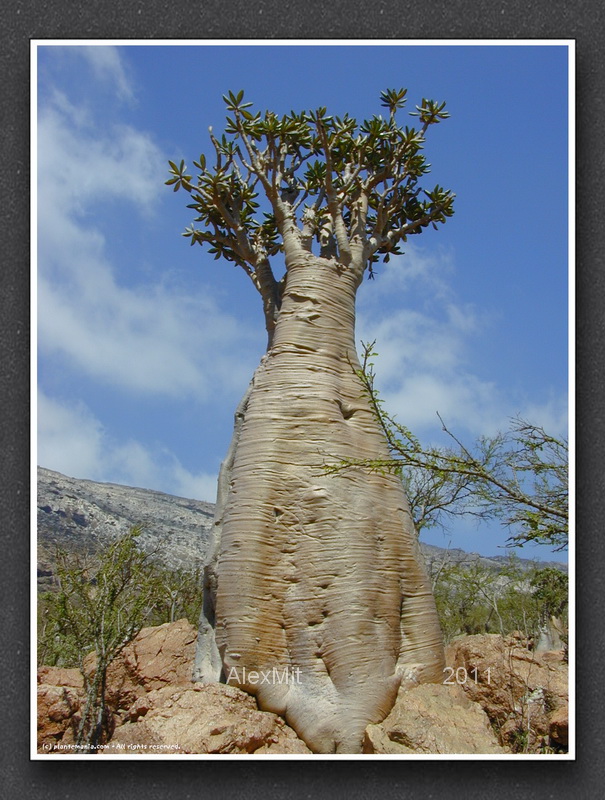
column 351, row 189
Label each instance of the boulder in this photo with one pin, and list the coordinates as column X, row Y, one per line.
column 433, row 718
column 60, row 676
column 161, row 656
column 156, row 657
column 519, row 689
column 156, row 707
column 58, row 707
column 212, row 718
column 559, row 725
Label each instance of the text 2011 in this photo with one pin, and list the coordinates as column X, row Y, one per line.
column 461, row 676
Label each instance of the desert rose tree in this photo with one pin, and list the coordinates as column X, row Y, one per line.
column 316, row 598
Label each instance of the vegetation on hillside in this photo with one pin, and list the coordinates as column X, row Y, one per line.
column 471, row 598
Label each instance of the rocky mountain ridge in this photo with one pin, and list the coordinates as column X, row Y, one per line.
column 81, row 515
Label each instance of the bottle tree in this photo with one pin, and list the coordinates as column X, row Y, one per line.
column 316, row 598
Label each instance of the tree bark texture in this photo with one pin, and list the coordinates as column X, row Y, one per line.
column 314, row 579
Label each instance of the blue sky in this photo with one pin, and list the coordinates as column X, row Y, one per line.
column 145, row 344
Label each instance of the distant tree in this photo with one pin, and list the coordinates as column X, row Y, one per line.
column 99, row 606
column 178, row 595
column 551, row 590
column 322, row 569
column 519, row 476
column 462, row 592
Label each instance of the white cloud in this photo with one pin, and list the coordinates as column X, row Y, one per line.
column 72, row 441
column 201, row 486
column 416, row 268
column 151, row 338
column 95, row 322
column 107, row 66
column 69, row 438
column 156, row 340
column 80, row 163
column 424, row 354
column 552, row 415
column 461, row 401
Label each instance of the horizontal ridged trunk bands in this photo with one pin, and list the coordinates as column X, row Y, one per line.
column 316, row 577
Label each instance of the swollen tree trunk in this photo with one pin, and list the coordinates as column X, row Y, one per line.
column 316, row 598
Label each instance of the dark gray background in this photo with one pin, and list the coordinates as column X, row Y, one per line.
column 336, row 19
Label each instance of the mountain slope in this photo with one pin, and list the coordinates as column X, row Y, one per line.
column 81, row 515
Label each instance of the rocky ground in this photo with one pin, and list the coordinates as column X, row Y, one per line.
column 500, row 698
